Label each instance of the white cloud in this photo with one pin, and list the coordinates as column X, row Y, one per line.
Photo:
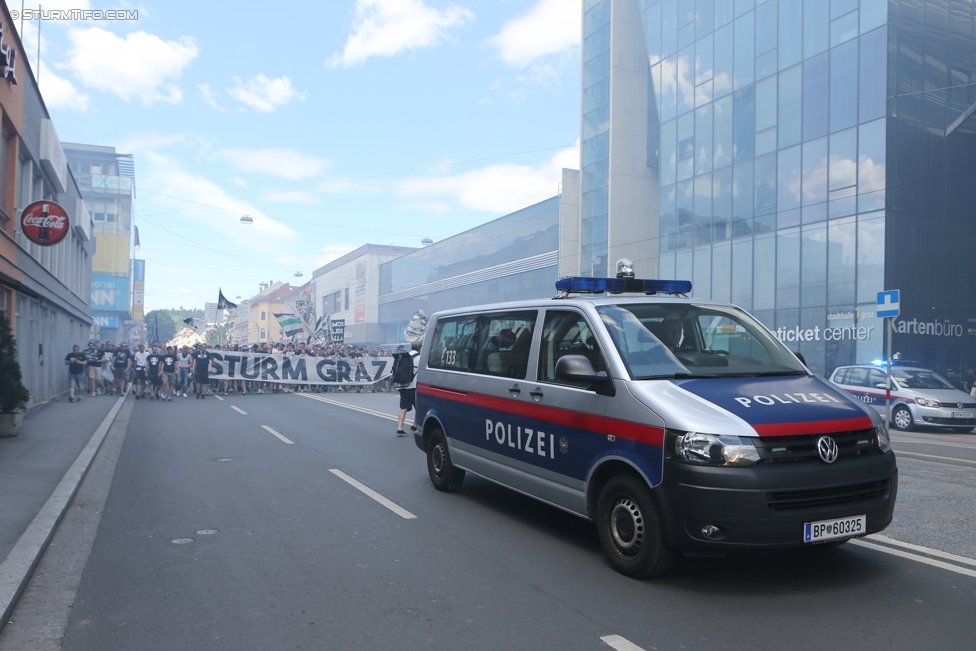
column 283, row 163
column 219, row 212
column 58, row 92
column 209, row 98
column 550, row 27
column 139, row 66
column 241, row 182
column 497, row 188
column 388, row 27
column 264, row 95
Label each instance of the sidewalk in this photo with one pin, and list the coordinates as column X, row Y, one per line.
column 32, row 464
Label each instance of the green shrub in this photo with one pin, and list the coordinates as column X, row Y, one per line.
column 13, row 394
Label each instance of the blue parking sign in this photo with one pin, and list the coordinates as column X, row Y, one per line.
column 889, row 303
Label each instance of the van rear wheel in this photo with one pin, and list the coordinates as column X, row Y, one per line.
column 630, row 528
column 443, row 474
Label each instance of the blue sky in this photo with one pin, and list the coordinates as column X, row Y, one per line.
column 401, row 118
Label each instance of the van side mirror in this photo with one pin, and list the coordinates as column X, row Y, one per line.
column 577, row 369
column 881, row 385
column 800, row 357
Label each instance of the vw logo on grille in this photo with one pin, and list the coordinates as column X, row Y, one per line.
column 959, row 404
column 827, row 449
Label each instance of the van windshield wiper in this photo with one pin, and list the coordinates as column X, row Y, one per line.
column 675, row 376
column 766, row 374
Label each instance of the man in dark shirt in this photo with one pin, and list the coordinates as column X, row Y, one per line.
column 76, row 362
column 201, row 371
column 153, row 364
column 94, row 355
column 121, row 364
column 169, row 368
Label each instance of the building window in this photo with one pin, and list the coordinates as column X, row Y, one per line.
column 263, row 316
column 347, row 298
column 263, row 333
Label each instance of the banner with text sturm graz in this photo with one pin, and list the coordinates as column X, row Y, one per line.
column 284, row 369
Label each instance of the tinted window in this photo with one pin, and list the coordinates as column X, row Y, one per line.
column 876, row 377
column 840, row 377
column 454, row 341
column 920, row 379
column 505, row 344
column 858, row 377
column 566, row 333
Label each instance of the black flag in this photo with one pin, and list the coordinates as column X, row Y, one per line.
column 223, row 303
column 154, row 334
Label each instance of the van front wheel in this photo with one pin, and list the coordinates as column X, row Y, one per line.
column 630, row 528
column 443, row 474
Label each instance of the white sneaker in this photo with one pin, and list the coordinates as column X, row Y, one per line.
column 184, row 394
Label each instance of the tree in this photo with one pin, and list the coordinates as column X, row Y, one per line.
column 167, row 326
column 13, row 394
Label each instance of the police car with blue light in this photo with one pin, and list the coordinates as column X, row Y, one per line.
column 919, row 397
column 677, row 425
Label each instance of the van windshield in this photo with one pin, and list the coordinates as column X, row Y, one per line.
column 680, row 341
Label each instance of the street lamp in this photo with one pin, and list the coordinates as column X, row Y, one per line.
column 298, row 274
column 247, row 219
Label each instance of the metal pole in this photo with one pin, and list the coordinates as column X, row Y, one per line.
column 38, row 74
column 21, row 35
column 888, row 390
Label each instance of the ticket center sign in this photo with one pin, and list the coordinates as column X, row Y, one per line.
column 44, row 223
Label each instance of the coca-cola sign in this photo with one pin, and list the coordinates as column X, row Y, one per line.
column 44, row 223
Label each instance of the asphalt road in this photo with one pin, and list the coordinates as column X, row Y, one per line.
column 301, row 559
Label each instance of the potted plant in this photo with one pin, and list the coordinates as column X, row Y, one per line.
column 13, row 394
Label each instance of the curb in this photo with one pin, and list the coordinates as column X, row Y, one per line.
column 19, row 566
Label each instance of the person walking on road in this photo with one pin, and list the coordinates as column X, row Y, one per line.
column 408, row 394
column 121, row 363
column 140, row 359
column 95, row 355
column 170, row 366
column 185, row 361
column 202, row 362
column 153, row 366
column 76, row 362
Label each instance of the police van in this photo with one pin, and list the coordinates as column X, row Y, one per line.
column 677, row 425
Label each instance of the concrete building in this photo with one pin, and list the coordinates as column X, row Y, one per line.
column 107, row 183
column 347, row 290
column 794, row 157
column 44, row 289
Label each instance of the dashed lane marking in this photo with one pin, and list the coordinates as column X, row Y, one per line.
column 282, row 437
column 218, row 398
column 396, row 508
column 620, row 643
column 339, row 403
column 238, row 409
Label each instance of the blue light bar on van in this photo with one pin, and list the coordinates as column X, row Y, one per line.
column 583, row 285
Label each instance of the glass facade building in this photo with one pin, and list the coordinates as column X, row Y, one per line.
column 510, row 258
column 804, row 157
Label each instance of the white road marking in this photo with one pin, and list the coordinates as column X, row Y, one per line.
column 396, row 508
column 923, row 550
column 283, row 438
column 620, row 643
column 218, row 398
column 238, row 409
column 935, row 459
column 339, row 403
column 915, row 557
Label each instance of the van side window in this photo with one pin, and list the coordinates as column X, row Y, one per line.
column 454, row 345
column 566, row 333
column 841, row 376
column 858, row 377
column 506, row 340
column 876, row 377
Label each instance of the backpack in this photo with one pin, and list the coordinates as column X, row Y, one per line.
column 402, row 371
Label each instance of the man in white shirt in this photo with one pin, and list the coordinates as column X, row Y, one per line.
column 141, row 358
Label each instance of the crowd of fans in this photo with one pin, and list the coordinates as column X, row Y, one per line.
column 163, row 372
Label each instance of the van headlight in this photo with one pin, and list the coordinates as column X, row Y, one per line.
column 925, row 402
column 883, row 440
column 714, row 450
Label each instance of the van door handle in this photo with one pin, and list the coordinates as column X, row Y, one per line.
column 514, row 390
column 536, row 393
